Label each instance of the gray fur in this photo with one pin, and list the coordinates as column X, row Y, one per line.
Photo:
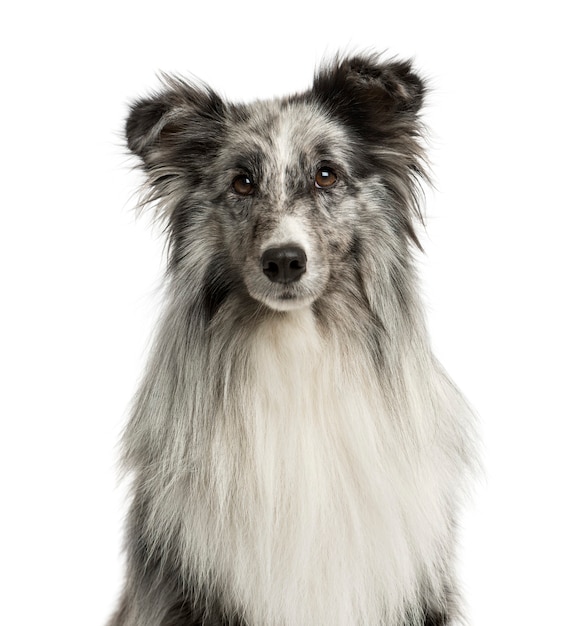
column 298, row 454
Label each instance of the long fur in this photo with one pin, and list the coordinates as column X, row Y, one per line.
column 298, row 455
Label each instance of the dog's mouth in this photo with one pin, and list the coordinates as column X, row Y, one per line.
column 285, row 299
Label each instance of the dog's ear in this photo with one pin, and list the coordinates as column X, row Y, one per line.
column 369, row 93
column 181, row 118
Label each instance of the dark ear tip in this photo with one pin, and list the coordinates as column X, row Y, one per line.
column 402, row 84
column 143, row 118
column 401, row 81
column 410, row 85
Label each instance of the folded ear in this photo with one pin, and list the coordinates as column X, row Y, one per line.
column 368, row 92
column 183, row 116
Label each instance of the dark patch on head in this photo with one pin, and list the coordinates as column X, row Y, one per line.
column 249, row 160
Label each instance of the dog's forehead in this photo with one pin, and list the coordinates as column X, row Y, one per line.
column 284, row 129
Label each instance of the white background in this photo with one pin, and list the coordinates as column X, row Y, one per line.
column 503, row 271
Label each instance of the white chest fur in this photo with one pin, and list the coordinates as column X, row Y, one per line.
column 317, row 505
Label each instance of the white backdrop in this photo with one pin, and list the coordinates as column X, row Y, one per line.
column 503, row 271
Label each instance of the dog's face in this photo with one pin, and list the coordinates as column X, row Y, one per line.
column 286, row 175
column 276, row 198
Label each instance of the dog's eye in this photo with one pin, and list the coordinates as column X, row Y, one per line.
column 243, row 185
column 325, row 177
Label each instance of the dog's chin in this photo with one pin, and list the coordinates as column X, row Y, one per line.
column 285, row 302
column 285, row 298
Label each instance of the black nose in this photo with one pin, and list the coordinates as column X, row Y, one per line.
column 284, row 265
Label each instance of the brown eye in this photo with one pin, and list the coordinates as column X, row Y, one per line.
column 243, row 185
column 325, row 177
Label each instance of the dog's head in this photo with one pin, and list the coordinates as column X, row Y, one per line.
column 277, row 200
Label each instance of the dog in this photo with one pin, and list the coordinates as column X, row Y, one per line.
column 298, row 456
